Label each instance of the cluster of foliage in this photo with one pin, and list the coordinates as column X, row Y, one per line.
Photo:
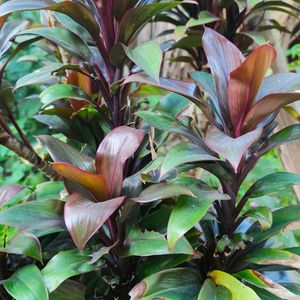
column 121, row 218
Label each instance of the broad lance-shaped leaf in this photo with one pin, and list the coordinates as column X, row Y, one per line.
column 150, row 243
column 64, row 265
column 272, row 183
column 62, row 152
column 175, row 284
column 75, row 10
column 24, row 243
column 232, row 149
column 237, row 289
column 269, row 256
column 261, row 214
column 35, row 215
column 162, row 191
column 188, row 211
column 83, row 217
column 266, row 106
column 290, row 134
column 167, row 122
column 186, row 89
column 27, row 283
column 61, row 91
column 148, row 57
column 210, row 290
column 245, row 82
column 259, row 280
column 119, row 145
column 184, row 153
column 69, row 290
column 7, row 192
column 94, row 183
column 204, row 17
column 63, row 38
column 223, row 57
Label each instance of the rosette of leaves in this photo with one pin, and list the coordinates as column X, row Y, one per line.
column 236, row 254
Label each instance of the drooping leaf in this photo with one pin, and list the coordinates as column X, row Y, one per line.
column 223, row 57
column 63, row 38
column 27, row 283
column 204, row 17
column 213, row 292
column 245, row 82
column 232, row 149
column 7, row 192
column 269, row 256
column 237, row 289
column 167, row 122
column 24, row 243
column 35, row 215
column 266, row 106
column 173, row 284
column 187, row 212
column 94, row 183
column 120, row 144
column 272, row 183
column 184, row 153
column 148, row 57
column 83, row 217
column 64, row 265
column 150, row 243
column 186, row 89
column 62, row 152
column 74, row 10
column 61, row 91
column 262, row 214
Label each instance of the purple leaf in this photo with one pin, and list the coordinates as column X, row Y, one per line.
column 7, row 192
column 223, row 57
column 232, row 149
column 84, row 218
column 114, row 150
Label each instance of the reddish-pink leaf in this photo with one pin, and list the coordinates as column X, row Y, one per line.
column 267, row 105
column 95, row 183
column 223, row 57
column 84, row 218
column 232, row 149
column 7, row 192
column 114, row 150
column 245, row 82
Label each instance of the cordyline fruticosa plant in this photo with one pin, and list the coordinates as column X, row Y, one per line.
column 125, row 226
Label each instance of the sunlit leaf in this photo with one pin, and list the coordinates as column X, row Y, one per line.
column 213, row 292
column 261, row 214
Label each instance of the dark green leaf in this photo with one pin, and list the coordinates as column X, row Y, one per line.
column 212, row 292
column 261, row 214
column 69, row 290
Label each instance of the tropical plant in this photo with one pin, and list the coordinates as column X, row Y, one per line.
column 235, row 247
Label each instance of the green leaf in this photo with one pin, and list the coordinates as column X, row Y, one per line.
column 63, row 38
column 7, row 192
column 61, row 91
column 256, row 36
column 27, row 284
column 204, row 17
column 62, row 152
column 35, row 215
column 64, row 265
column 148, row 56
column 272, row 183
column 69, row 290
column 24, row 243
column 167, row 122
column 173, row 284
column 261, row 214
column 162, row 191
column 270, row 256
column 184, row 153
column 75, row 10
column 84, row 218
column 40, row 76
column 152, row 243
column 237, row 289
column 187, row 212
column 212, row 292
